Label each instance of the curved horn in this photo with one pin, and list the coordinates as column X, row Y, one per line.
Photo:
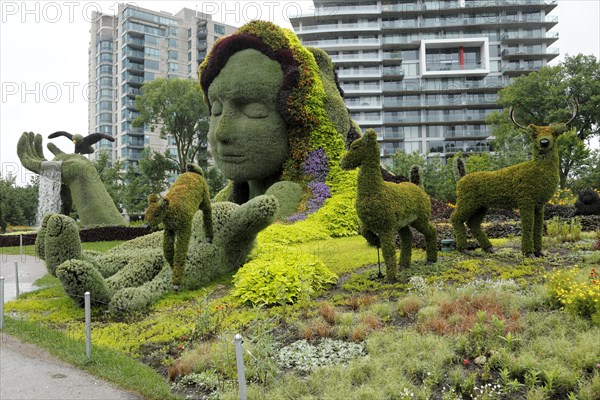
column 575, row 112
column 511, row 113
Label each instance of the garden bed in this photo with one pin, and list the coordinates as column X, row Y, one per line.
column 490, row 326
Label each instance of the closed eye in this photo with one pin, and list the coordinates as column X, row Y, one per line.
column 255, row 110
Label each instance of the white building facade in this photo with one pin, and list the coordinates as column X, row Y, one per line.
column 425, row 74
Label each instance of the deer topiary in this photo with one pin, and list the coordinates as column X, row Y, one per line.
column 386, row 208
column 527, row 186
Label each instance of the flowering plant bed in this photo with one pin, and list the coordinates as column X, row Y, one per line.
column 494, row 326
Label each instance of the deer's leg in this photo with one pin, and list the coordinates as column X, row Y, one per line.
column 474, row 224
column 458, row 218
column 538, row 230
column 388, row 247
column 406, row 239
column 527, row 228
column 428, row 230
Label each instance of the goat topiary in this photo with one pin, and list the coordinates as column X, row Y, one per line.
column 386, row 208
column 527, row 186
column 188, row 194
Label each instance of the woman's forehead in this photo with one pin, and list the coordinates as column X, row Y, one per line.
column 247, row 70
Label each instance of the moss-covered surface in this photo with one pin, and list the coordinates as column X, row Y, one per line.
column 88, row 194
column 527, row 186
column 188, row 194
column 301, row 105
column 386, row 209
column 444, row 317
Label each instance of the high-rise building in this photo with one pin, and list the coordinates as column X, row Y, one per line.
column 133, row 46
column 425, row 74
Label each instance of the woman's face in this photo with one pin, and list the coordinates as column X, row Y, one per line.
column 247, row 135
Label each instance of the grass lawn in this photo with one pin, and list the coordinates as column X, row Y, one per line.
column 485, row 326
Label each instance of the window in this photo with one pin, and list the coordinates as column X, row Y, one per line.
column 173, row 55
column 153, row 53
column 151, row 64
column 173, row 43
column 219, row 29
column 173, row 31
column 105, row 69
column 173, row 67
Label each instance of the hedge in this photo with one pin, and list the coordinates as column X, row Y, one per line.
column 97, row 234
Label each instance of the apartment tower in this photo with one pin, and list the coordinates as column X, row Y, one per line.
column 134, row 46
column 426, row 74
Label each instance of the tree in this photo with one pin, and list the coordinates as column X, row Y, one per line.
column 111, row 174
column 177, row 108
column 216, row 180
column 545, row 97
column 573, row 155
column 19, row 203
column 150, row 175
column 438, row 179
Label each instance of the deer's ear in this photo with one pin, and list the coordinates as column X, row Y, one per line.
column 531, row 131
column 559, row 129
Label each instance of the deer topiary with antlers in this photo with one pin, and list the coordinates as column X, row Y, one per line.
column 387, row 208
column 527, row 186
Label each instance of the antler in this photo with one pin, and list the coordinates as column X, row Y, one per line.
column 575, row 112
column 511, row 113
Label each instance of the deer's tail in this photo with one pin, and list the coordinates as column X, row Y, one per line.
column 459, row 168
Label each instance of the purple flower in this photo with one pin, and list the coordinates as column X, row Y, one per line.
column 320, row 192
column 317, row 165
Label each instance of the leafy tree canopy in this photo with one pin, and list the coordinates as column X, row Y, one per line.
column 176, row 107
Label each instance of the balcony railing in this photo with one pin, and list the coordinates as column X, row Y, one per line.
column 342, row 42
column 356, row 57
column 528, row 35
column 467, row 149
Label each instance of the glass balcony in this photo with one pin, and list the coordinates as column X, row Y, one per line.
column 129, row 52
column 133, row 66
column 133, row 41
column 343, row 42
column 528, row 35
column 356, row 57
column 363, row 73
column 450, row 148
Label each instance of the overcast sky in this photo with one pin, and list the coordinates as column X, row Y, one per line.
column 44, row 57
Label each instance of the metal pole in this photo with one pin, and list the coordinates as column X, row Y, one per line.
column 1, row 303
column 17, row 277
column 21, row 246
column 239, row 357
column 88, row 325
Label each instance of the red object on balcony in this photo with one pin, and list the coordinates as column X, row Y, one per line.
column 461, row 57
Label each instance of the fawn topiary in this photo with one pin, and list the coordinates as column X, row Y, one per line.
column 527, row 186
column 386, row 208
column 188, row 194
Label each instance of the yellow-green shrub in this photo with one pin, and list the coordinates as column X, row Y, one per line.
column 564, row 231
column 277, row 280
column 577, row 291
